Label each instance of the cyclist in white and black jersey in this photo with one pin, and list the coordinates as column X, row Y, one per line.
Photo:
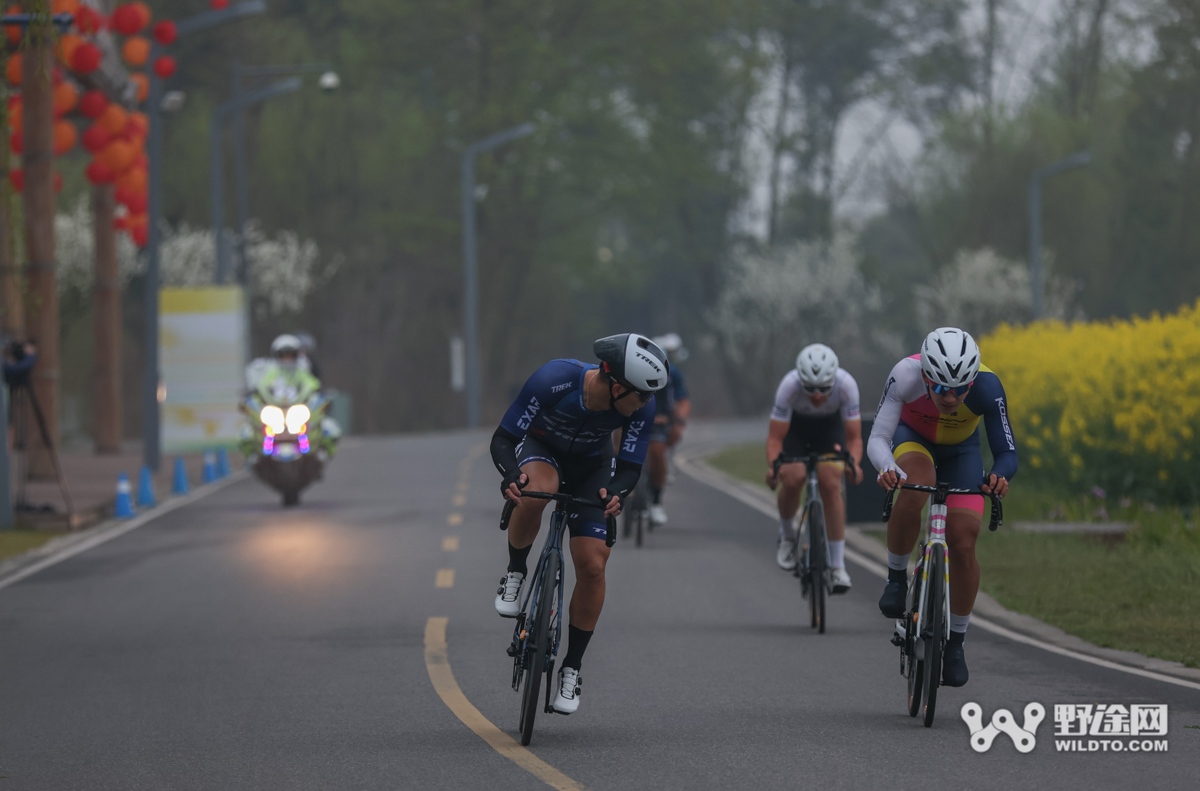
column 816, row 410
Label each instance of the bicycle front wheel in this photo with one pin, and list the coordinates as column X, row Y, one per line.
column 538, row 647
column 816, row 565
column 935, row 633
column 915, row 663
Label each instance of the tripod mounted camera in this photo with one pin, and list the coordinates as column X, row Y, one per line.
column 20, row 358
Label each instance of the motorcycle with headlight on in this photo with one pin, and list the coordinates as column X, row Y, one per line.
column 289, row 444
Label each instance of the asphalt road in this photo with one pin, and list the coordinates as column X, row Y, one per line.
column 234, row 645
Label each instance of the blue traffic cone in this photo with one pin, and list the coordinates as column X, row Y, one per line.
column 180, row 483
column 145, row 494
column 210, row 466
column 123, row 509
column 222, row 463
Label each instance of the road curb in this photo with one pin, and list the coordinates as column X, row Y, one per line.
column 26, row 564
column 995, row 617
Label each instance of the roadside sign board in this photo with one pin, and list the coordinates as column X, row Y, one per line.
column 202, row 335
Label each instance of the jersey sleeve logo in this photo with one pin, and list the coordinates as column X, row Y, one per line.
column 886, row 389
column 1012, row 445
column 561, row 387
column 531, row 412
column 629, row 445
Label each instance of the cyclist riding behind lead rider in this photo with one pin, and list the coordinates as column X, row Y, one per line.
column 816, row 410
column 557, row 437
column 672, row 409
column 927, row 431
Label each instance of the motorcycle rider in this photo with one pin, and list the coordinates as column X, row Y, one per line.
column 286, row 378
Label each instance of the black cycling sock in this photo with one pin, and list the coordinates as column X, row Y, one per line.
column 655, row 495
column 517, row 557
column 577, row 643
column 898, row 575
column 957, row 637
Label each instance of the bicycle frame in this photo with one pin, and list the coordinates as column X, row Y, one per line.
column 553, row 546
column 812, row 486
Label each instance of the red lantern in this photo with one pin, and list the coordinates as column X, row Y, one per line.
column 164, row 67
column 98, row 173
column 165, row 32
column 13, row 69
column 67, row 44
column 93, row 103
column 144, row 13
column 16, row 117
column 136, row 51
column 57, row 181
column 140, row 235
column 121, row 223
column 16, row 142
column 17, row 178
column 217, row 5
column 118, row 156
column 137, row 203
column 66, row 96
column 86, row 58
column 13, row 32
column 64, row 7
column 113, row 119
column 56, row 76
column 65, row 137
column 95, row 138
column 127, row 19
column 87, row 20
column 133, row 182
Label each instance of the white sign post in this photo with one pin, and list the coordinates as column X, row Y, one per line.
column 202, row 335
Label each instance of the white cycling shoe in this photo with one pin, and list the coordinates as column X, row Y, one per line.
column 840, row 580
column 508, row 595
column 566, row 700
column 786, row 556
column 658, row 514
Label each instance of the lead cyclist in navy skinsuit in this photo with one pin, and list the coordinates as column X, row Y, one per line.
column 557, row 436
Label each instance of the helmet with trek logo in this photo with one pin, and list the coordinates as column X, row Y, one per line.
column 633, row 360
column 817, row 365
column 949, row 357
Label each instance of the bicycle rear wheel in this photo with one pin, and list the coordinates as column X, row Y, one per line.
column 816, row 565
column 935, row 633
column 538, row 647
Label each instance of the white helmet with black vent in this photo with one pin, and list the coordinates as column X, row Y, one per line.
column 633, row 360
column 286, row 344
column 817, row 365
column 950, row 357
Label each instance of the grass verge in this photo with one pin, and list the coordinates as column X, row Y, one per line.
column 1137, row 593
column 14, row 542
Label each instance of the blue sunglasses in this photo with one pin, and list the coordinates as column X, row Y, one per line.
column 942, row 389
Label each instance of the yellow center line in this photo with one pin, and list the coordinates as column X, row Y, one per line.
column 460, row 500
column 444, row 578
column 454, row 519
column 450, row 544
column 437, row 662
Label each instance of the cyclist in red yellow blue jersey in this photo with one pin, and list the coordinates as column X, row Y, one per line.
column 926, row 431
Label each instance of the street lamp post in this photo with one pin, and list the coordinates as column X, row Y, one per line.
column 151, row 423
column 1037, row 282
column 329, row 81
column 471, row 262
column 233, row 107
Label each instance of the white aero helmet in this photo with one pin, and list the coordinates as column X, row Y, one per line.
column 286, row 344
column 950, row 357
column 634, row 361
column 817, row 365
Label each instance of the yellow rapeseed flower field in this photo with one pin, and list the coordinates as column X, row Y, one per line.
column 1112, row 403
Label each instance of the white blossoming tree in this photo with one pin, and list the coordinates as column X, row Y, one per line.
column 981, row 289
column 283, row 270
column 775, row 302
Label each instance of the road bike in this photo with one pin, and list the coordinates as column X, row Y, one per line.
column 636, row 516
column 922, row 632
column 812, row 561
column 538, row 630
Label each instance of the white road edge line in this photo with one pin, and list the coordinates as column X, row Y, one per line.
column 718, row 482
column 119, row 529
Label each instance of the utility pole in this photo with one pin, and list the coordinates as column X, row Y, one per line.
column 471, row 263
column 1037, row 278
column 151, row 420
column 38, row 163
